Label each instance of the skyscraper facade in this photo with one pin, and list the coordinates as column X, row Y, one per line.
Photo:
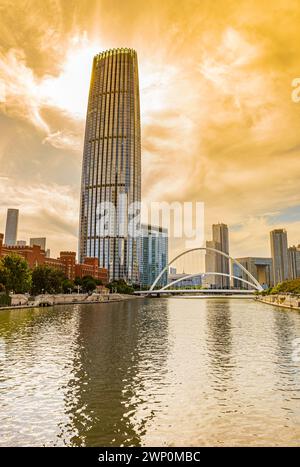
column 279, row 253
column 11, row 229
column 153, row 254
column 260, row 268
column 214, row 262
column 111, row 171
column 39, row 241
column 294, row 262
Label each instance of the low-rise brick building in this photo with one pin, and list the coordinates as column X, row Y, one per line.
column 66, row 262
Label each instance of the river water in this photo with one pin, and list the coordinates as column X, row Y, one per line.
column 162, row 372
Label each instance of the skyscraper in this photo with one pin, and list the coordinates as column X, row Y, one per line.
column 294, row 262
column 11, row 228
column 153, row 254
column 39, row 241
column 214, row 262
column 111, row 171
column 260, row 268
column 221, row 237
column 279, row 253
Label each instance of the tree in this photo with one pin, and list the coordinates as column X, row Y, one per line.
column 120, row 286
column 67, row 285
column 290, row 286
column 88, row 284
column 47, row 279
column 15, row 274
column 3, row 277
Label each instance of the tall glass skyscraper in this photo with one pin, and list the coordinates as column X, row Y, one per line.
column 11, row 229
column 153, row 254
column 214, row 262
column 279, row 253
column 111, row 171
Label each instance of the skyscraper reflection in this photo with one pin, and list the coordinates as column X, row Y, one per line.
column 105, row 398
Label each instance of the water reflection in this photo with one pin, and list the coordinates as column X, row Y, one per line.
column 219, row 341
column 150, row 372
column 116, row 347
column 286, row 370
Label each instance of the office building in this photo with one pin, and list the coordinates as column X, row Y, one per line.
column 260, row 268
column 185, row 282
column 111, row 169
column 153, row 254
column 215, row 262
column 40, row 241
column 21, row 242
column 294, row 262
column 279, row 253
column 11, row 229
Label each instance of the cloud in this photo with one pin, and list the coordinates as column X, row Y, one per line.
column 218, row 122
column 45, row 210
column 20, row 89
column 63, row 140
column 25, row 95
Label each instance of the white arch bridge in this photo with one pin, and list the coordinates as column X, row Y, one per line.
column 252, row 282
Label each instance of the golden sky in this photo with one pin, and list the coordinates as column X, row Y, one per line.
column 218, row 121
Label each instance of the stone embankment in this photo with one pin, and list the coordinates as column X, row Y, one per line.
column 25, row 301
column 284, row 300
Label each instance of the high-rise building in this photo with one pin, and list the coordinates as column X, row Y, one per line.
column 40, row 241
column 153, row 254
column 11, row 228
column 260, row 268
column 214, row 262
column 21, row 242
column 111, row 170
column 294, row 262
column 279, row 253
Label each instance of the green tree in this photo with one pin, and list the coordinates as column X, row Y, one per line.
column 46, row 279
column 15, row 274
column 290, row 286
column 3, row 277
column 120, row 286
column 56, row 280
column 88, row 284
column 67, row 286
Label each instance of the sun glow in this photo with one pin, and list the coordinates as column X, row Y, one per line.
column 68, row 91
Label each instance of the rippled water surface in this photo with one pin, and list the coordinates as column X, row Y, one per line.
column 174, row 371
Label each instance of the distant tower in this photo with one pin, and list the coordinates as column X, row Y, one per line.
column 214, row 262
column 294, row 262
column 112, row 162
column 279, row 253
column 39, row 241
column 11, row 228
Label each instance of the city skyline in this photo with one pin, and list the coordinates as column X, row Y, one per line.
column 232, row 113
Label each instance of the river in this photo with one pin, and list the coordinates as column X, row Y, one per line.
column 161, row 372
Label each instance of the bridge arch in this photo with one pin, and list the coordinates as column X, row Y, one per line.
column 255, row 283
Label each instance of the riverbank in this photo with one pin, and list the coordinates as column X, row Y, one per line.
column 23, row 302
column 282, row 300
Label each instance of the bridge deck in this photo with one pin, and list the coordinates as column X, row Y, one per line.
column 209, row 292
